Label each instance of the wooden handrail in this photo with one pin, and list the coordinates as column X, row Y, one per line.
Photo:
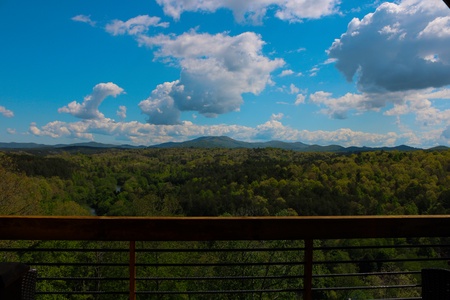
column 217, row 228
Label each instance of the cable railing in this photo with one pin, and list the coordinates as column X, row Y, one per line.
column 230, row 258
column 219, row 268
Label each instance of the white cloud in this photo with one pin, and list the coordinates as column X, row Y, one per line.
column 421, row 105
column 401, row 46
column 11, row 130
column 57, row 129
column 348, row 137
column 295, row 11
column 6, row 112
column 302, row 49
column 338, row 108
column 293, row 89
column 89, row 108
column 84, row 19
column 255, row 10
column 313, row 72
column 446, row 133
column 135, row 132
column 122, row 112
column 134, row 26
column 438, row 28
column 160, row 106
column 330, row 61
column 300, row 99
column 149, row 134
column 275, row 130
column 277, row 117
column 286, row 73
column 215, row 71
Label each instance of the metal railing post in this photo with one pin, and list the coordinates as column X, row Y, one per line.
column 132, row 269
column 308, row 270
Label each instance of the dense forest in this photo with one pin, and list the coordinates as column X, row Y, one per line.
column 217, row 182
column 230, row 182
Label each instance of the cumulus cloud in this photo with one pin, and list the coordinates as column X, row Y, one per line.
column 122, row 112
column 149, row 134
column 215, row 71
column 6, row 112
column 277, row 117
column 421, row 105
column 338, row 108
column 295, row 11
column 286, row 73
column 57, row 129
column 160, row 106
column 300, row 99
column 348, row 137
column 416, row 102
column 89, row 108
column 275, row 130
column 84, row 19
column 293, row 89
column 446, row 133
column 255, row 10
column 401, row 46
column 134, row 26
column 439, row 27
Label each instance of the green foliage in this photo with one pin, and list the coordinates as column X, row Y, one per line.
column 231, row 182
column 245, row 182
column 19, row 194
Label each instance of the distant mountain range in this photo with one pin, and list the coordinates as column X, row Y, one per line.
column 204, row 142
column 37, row 146
column 226, row 142
column 90, row 147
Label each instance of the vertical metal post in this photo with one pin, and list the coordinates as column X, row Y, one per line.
column 307, row 279
column 132, row 269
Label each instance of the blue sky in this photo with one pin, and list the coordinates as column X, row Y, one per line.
column 143, row 72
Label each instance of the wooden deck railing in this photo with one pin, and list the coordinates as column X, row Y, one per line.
column 222, row 229
column 218, row 228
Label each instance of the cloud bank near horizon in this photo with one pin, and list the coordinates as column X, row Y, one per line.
column 94, row 123
column 150, row 134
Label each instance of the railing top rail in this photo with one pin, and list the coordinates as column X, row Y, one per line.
column 220, row 228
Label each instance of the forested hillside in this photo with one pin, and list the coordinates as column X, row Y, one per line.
column 238, row 182
column 212, row 182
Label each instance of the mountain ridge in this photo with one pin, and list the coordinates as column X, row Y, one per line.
column 227, row 142
column 210, row 142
